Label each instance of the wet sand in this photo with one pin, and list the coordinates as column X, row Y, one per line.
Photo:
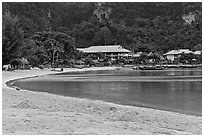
column 27, row 112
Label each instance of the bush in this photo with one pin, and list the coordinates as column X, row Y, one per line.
column 41, row 66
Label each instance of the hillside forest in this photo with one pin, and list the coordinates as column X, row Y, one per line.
column 41, row 32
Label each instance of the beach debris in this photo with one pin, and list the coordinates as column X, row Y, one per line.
column 17, row 88
column 113, row 108
column 23, row 104
column 27, row 120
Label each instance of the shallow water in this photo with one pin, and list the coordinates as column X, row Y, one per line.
column 172, row 90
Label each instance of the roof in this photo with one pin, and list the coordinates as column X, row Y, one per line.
column 80, row 49
column 154, row 54
column 138, row 54
column 198, row 52
column 105, row 49
column 179, row 51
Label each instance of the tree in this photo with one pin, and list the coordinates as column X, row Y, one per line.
column 143, row 58
column 56, row 44
column 34, row 52
column 187, row 58
column 12, row 36
column 84, row 33
column 104, row 37
column 158, row 26
column 197, row 47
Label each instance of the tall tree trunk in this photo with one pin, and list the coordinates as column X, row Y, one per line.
column 53, row 59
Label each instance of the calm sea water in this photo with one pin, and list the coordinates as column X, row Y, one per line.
column 171, row 90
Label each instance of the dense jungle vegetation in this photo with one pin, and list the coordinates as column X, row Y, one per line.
column 41, row 31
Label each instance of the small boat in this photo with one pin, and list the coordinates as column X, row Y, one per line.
column 128, row 66
column 188, row 66
column 159, row 68
column 135, row 68
column 173, row 66
column 118, row 68
column 151, row 68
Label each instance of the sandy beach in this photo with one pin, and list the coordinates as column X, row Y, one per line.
column 39, row 113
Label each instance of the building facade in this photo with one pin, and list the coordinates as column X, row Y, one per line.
column 112, row 51
column 174, row 54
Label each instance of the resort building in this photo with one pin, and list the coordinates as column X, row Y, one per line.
column 174, row 54
column 112, row 51
column 199, row 52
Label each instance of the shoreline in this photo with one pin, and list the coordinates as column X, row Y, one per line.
column 10, row 82
column 135, row 120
